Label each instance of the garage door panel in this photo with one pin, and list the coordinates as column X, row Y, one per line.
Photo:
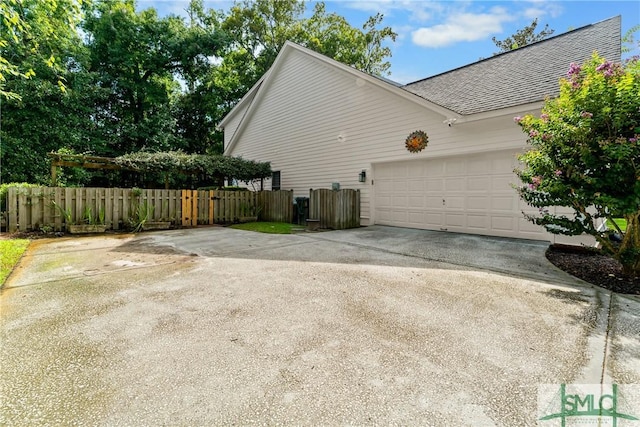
column 479, row 166
column 383, row 202
column 502, row 182
column 415, row 169
column 504, row 203
column 400, row 201
column 455, row 202
column 384, row 186
column 454, row 220
column 478, row 222
column 434, row 219
column 503, row 223
column 478, row 203
column 434, row 184
column 415, row 185
column 399, row 186
column 400, row 172
column 478, row 183
column 416, row 217
column 416, row 201
column 504, row 163
column 399, row 216
column 433, row 169
column 434, row 201
column 455, row 184
column 454, row 167
column 383, row 215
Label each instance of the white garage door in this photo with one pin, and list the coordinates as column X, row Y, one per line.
column 467, row 194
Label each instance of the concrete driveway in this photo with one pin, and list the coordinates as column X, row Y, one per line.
column 374, row 326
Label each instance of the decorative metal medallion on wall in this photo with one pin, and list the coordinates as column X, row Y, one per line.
column 416, row 141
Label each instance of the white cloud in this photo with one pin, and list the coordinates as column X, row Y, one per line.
column 540, row 10
column 462, row 27
column 533, row 12
column 420, row 11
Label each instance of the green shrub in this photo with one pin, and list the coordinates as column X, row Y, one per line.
column 4, row 190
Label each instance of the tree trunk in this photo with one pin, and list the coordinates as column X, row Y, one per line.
column 629, row 251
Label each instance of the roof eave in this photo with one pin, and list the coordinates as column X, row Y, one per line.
column 246, row 98
column 528, row 108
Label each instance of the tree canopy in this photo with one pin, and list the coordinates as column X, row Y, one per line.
column 585, row 156
column 522, row 37
column 106, row 79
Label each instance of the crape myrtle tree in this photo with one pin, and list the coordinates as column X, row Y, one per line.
column 585, row 156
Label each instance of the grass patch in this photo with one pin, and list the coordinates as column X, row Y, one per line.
column 10, row 252
column 266, row 227
column 621, row 223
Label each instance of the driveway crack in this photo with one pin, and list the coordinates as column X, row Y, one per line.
column 606, row 338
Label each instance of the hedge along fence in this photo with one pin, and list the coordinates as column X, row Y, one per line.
column 214, row 167
column 30, row 209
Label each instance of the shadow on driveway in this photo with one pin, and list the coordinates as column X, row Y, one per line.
column 375, row 245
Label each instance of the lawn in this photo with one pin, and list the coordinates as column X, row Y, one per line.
column 621, row 223
column 267, row 227
column 10, row 252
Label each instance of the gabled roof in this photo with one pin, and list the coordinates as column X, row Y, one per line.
column 521, row 76
column 252, row 98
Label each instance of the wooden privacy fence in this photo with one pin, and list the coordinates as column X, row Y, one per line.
column 224, row 207
column 336, row 210
column 31, row 209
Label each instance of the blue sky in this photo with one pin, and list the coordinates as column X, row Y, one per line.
column 436, row 36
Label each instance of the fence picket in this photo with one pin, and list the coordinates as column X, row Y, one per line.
column 12, row 209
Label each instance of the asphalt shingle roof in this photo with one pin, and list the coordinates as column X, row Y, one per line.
column 520, row 76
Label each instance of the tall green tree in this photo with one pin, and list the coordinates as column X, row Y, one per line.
column 33, row 33
column 364, row 49
column 198, row 108
column 585, row 156
column 523, row 37
column 51, row 102
column 139, row 58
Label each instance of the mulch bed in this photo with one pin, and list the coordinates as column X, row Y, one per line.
column 589, row 265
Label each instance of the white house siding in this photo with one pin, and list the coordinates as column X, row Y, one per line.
column 319, row 124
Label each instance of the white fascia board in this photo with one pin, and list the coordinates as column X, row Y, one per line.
column 530, row 108
column 246, row 98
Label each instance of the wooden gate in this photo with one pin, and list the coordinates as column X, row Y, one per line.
column 189, row 208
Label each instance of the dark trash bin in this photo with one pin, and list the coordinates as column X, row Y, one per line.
column 301, row 210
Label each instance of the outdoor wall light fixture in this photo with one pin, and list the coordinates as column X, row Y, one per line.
column 362, row 176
